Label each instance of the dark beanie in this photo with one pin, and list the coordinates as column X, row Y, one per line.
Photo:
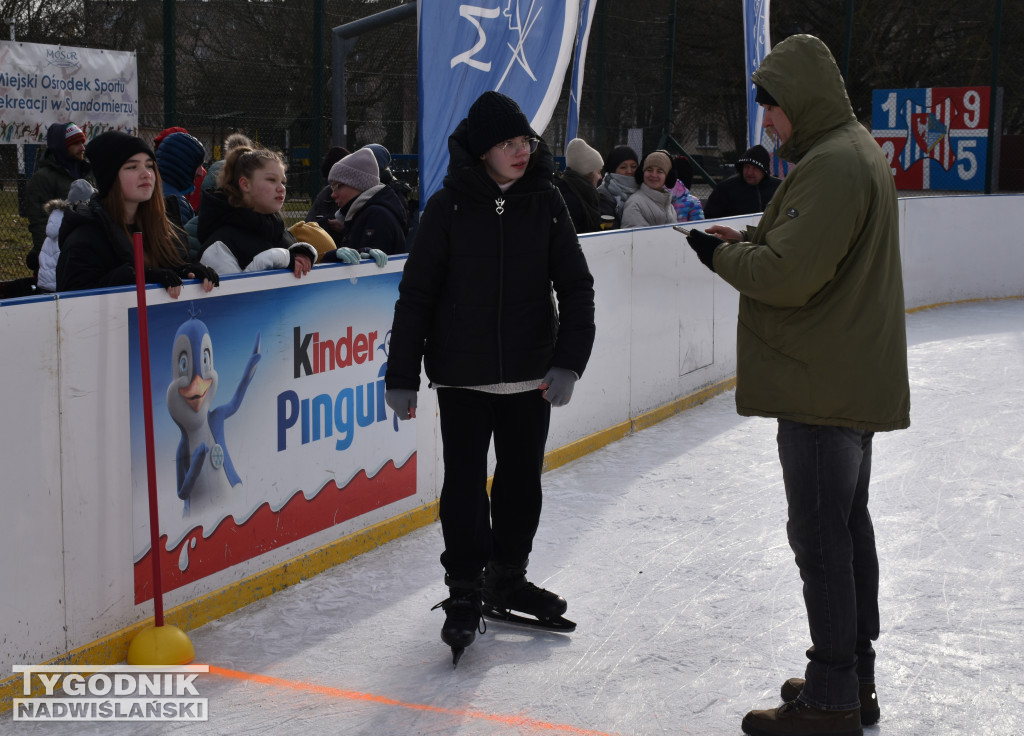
column 617, row 156
column 494, row 118
column 177, row 159
column 107, row 153
column 334, row 155
column 684, row 171
column 756, row 156
column 763, row 98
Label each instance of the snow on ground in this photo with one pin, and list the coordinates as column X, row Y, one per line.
column 670, row 548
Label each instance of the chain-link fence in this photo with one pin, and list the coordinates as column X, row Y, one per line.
column 658, row 73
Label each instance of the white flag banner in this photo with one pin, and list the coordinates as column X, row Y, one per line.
column 42, row 84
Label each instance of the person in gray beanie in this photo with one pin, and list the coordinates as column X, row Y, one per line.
column 476, row 306
column 748, row 191
column 578, row 185
column 373, row 216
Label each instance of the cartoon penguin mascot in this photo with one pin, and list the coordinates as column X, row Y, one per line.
column 205, row 470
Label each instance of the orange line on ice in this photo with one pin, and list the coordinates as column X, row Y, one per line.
column 334, row 692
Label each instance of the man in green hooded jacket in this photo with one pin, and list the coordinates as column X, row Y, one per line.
column 821, row 347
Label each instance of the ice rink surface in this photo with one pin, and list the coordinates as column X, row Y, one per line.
column 670, row 547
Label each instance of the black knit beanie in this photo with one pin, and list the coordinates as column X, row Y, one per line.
column 756, row 156
column 334, row 155
column 684, row 170
column 494, row 118
column 617, row 156
column 107, row 153
column 764, row 98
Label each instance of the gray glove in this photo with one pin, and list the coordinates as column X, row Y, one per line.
column 557, row 385
column 348, row 255
column 402, row 401
column 379, row 256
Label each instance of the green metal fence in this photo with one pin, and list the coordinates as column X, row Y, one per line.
column 657, row 71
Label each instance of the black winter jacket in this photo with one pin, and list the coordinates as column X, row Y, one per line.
column 582, row 199
column 245, row 232
column 379, row 222
column 735, row 197
column 322, row 209
column 94, row 252
column 51, row 181
column 476, row 295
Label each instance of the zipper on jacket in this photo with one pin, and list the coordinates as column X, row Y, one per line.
column 501, row 284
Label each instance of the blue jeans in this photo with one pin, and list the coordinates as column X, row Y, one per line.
column 826, row 471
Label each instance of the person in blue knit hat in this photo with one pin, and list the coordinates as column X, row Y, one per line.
column 178, row 158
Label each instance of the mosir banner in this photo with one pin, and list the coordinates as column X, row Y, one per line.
column 41, row 84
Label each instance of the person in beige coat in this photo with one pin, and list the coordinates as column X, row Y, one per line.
column 651, row 204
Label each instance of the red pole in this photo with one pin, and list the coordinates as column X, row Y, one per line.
column 147, row 405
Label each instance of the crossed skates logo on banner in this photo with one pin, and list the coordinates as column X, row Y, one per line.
column 516, row 23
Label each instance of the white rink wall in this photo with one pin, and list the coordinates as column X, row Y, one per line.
column 666, row 330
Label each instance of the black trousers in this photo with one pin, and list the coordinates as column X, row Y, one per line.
column 477, row 529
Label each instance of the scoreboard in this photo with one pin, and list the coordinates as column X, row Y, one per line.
column 934, row 138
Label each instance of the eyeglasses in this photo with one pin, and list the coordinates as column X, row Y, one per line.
column 335, row 186
column 514, row 145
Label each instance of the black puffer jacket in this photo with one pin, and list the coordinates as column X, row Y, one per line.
column 476, row 295
column 735, row 197
column 245, row 232
column 376, row 221
column 94, row 252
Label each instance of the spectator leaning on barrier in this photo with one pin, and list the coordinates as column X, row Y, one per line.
column 178, row 158
column 240, row 224
column 686, row 204
column 619, row 181
column 195, row 196
column 578, row 185
column 96, row 248
column 63, row 161
column 822, row 348
column 475, row 302
column 81, row 191
column 373, row 214
column 403, row 190
column 210, row 181
column 651, row 204
column 748, row 191
column 323, row 208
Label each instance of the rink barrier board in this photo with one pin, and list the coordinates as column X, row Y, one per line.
column 199, row 611
column 938, row 271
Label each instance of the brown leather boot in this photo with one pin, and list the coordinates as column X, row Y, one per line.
column 870, row 713
column 799, row 719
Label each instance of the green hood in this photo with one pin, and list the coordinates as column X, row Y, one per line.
column 812, row 94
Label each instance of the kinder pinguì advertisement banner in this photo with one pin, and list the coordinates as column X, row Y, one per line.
column 269, row 423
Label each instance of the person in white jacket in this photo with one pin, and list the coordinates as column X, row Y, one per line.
column 651, row 204
column 81, row 191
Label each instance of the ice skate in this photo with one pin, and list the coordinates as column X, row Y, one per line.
column 507, row 595
column 462, row 610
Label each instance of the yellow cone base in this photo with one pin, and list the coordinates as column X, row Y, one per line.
column 161, row 645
